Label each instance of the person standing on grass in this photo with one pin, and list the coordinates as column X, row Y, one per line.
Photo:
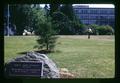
column 89, row 32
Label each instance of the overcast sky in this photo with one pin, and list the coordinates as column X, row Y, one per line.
column 93, row 5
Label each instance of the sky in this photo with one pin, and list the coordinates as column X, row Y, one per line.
column 93, row 5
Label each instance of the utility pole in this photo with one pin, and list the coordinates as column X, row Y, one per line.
column 8, row 15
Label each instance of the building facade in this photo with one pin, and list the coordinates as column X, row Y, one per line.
column 100, row 16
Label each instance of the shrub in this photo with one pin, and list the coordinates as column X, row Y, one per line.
column 102, row 30
column 105, row 30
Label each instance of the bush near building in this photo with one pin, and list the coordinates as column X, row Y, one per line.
column 105, row 30
column 102, row 30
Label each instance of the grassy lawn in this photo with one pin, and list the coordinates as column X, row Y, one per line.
column 85, row 58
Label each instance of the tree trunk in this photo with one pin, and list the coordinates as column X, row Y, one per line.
column 47, row 47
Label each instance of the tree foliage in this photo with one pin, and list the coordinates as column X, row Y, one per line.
column 46, row 32
column 67, row 9
column 61, row 22
column 39, row 17
column 47, row 36
column 54, row 8
column 26, row 16
column 74, row 25
column 20, row 16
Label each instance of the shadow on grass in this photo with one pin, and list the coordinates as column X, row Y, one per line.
column 42, row 52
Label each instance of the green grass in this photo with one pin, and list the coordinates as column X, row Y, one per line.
column 85, row 58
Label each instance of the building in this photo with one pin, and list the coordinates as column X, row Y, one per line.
column 91, row 15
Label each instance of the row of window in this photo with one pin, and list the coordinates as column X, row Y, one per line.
column 95, row 17
column 94, row 11
column 96, row 22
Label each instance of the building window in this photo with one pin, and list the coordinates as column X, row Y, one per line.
column 111, row 11
column 79, row 11
column 84, row 11
column 94, row 11
column 76, row 11
column 103, row 11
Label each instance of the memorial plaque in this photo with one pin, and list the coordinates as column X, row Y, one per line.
column 27, row 69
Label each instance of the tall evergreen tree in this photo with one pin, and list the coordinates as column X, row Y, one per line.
column 67, row 9
column 54, row 8
column 61, row 23
column 74, row 23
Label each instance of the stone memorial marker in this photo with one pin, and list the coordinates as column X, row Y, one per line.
column 25, row 68
column 32, row 64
